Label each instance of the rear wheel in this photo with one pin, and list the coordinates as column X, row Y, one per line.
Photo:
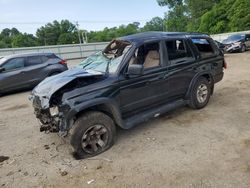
column 200, row 93
column 92, row 134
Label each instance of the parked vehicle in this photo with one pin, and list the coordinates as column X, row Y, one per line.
column 24, row 71
column 237, row 43
column 220, row 45
column 135, row 78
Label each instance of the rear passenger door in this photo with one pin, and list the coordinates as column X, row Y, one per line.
column 210, row 58
column 181, row 67
column 33, row 71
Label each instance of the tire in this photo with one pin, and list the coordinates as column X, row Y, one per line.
column 92, row 133
column 243, row 48
column 198, row 99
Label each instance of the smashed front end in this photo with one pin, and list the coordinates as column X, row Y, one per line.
column 50, row 107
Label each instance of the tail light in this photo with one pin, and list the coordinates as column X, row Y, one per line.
column 63, row 62
column 224, row 64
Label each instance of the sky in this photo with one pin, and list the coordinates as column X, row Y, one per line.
column 28, row 15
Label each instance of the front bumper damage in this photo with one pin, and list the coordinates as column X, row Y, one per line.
column 232, row 48
column 48, row 122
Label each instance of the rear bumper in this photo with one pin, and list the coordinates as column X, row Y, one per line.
column 218, row 77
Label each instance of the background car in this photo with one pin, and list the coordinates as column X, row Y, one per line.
column 239, row 43
column 220, row 45
column 24, row 71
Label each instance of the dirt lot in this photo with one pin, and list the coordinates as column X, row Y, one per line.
column 186, row 148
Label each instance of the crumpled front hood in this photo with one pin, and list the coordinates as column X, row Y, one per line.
column 50, row 85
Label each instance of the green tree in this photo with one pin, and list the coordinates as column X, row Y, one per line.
column 226, row 16
column 51, row 32
column 155, row 24
column 24, row 40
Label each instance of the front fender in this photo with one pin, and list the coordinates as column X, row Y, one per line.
column 93, row 104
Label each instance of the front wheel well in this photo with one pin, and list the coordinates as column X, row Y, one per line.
column 104, row 108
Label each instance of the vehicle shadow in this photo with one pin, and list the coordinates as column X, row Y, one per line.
column 15, row 92
column 147, row 126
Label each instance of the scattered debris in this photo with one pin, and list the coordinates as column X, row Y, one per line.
column 10, row 173
column 46, row 147
column 46, row 162
column 63, row 172
column 149, row 139
column 91, row 181
column 12, row 161
column 100, row 159
column 3, row 158
column 99, row 167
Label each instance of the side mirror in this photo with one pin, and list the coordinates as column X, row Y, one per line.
column 134, row 70
column 2, row 69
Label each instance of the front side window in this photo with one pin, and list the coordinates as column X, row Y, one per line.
column 147, row 55
column 34, row 60
column 15, row 63
column 178, row 51
column 203, row 46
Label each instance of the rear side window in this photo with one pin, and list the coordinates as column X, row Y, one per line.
column 178, row 51
column 15, row 63
column 51, row 56
column 34, row 60
column 44, row 58
column 203, row 46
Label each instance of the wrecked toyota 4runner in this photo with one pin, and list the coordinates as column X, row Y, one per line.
column 133, row 79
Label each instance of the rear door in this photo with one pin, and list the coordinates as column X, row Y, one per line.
column 12, row 77
column 181, row 67
column 33, row 71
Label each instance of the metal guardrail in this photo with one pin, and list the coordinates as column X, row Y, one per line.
column 77, row 51
column 70, row 51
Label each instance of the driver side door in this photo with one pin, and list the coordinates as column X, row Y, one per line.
column 140, row 92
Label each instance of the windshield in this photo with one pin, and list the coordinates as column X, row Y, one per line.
column 107, row 60
column 235, row 37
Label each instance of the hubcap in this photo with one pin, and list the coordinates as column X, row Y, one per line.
column 202, row 93
column 95, row 139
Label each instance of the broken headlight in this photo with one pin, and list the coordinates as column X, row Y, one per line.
column 54, row 111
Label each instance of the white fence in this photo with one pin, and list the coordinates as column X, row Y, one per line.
column 76, row 51
column 71, row 51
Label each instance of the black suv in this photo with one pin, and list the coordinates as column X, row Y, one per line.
column 133, row 79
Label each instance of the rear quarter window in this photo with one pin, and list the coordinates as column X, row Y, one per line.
column 204, row 47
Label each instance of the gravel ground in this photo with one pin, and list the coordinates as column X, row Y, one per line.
column 185, row 148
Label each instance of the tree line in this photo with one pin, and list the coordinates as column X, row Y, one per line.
column 208, row 16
